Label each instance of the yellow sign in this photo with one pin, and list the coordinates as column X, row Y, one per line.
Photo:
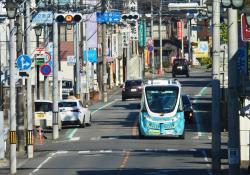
column 39, row 115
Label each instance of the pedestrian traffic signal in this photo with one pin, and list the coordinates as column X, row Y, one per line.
column 130, row 17
column 68, row 17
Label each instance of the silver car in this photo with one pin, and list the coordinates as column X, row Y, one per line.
column 72, row 111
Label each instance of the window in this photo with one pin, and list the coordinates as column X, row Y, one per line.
column 43, row 106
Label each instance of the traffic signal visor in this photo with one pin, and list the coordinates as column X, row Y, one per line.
column 68, row 18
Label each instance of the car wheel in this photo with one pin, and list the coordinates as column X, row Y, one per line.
column 90, row 120
column 82, row 125
column 182, row 136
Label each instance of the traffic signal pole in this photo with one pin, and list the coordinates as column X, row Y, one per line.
column 216, row 123
column 233, row 102
column 76, row 53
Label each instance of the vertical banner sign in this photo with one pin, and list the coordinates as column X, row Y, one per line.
column 133, row 6
column 140, row 33
column 245, row 30
column 179, row 30
column 124, row 32
column 114, row 38
column 134, row 32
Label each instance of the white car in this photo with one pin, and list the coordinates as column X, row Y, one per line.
column 72, row 111
column 43, row 113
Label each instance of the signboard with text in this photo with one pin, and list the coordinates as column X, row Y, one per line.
column 111, row 17
column 42, row 17
column 179, row 30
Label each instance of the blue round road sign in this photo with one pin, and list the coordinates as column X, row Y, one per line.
column 23, row 62
column 45, row 69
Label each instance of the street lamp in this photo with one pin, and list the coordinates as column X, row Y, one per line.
column 38, row 32
column 11, row 8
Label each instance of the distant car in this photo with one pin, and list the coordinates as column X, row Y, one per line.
column 72, row 111
column 43, row 113
column 132, row 89
column 188, row 108
column 180, row 67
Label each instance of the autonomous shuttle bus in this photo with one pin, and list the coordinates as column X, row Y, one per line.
column 161, row 111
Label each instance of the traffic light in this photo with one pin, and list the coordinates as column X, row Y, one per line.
column 236, row 4
column 130, row 17
column 68, row 17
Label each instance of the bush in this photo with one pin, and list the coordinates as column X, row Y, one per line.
column 205, row 61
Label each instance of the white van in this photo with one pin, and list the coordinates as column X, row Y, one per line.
column 43, row 113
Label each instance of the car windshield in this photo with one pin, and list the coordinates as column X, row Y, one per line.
column 67, row 104
column 43, row 106
column 161, row 99
column 185, row 100
column 133, row 83
column 180, row 62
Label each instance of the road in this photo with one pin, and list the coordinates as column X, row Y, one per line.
column 111, row 146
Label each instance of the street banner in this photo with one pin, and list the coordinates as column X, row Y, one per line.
column 179, row 30
column 114, row 46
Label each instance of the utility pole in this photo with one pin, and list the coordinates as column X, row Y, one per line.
column 160, row 37
column 77, row 65
column 152, row 38
column 233, row 103
column 55, row 82
column 104, row 54
column 84, row 27
column 128, row 54
column 20, row 90
column 29, row 138
column 12, row 133
column 216, row 123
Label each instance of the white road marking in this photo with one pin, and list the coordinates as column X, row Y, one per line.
column 75, row 139
column 84, row 152
column 207, row 162
column 197, row 118
column 95, row 138
column 115, row 100
column 39, row 166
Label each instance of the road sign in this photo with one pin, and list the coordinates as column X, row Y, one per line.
column 245, row 30
column 42, row 17
column 71, row 60
column 45, row 69
column 150, row 45
column 40, row 60
column 92, row 56
column 23, row 62
column 112, row 17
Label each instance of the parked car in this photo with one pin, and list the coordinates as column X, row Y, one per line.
column 180, row 67
column 43, row 113
column 132, row 89
column 188, row 108
column 72, row 111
